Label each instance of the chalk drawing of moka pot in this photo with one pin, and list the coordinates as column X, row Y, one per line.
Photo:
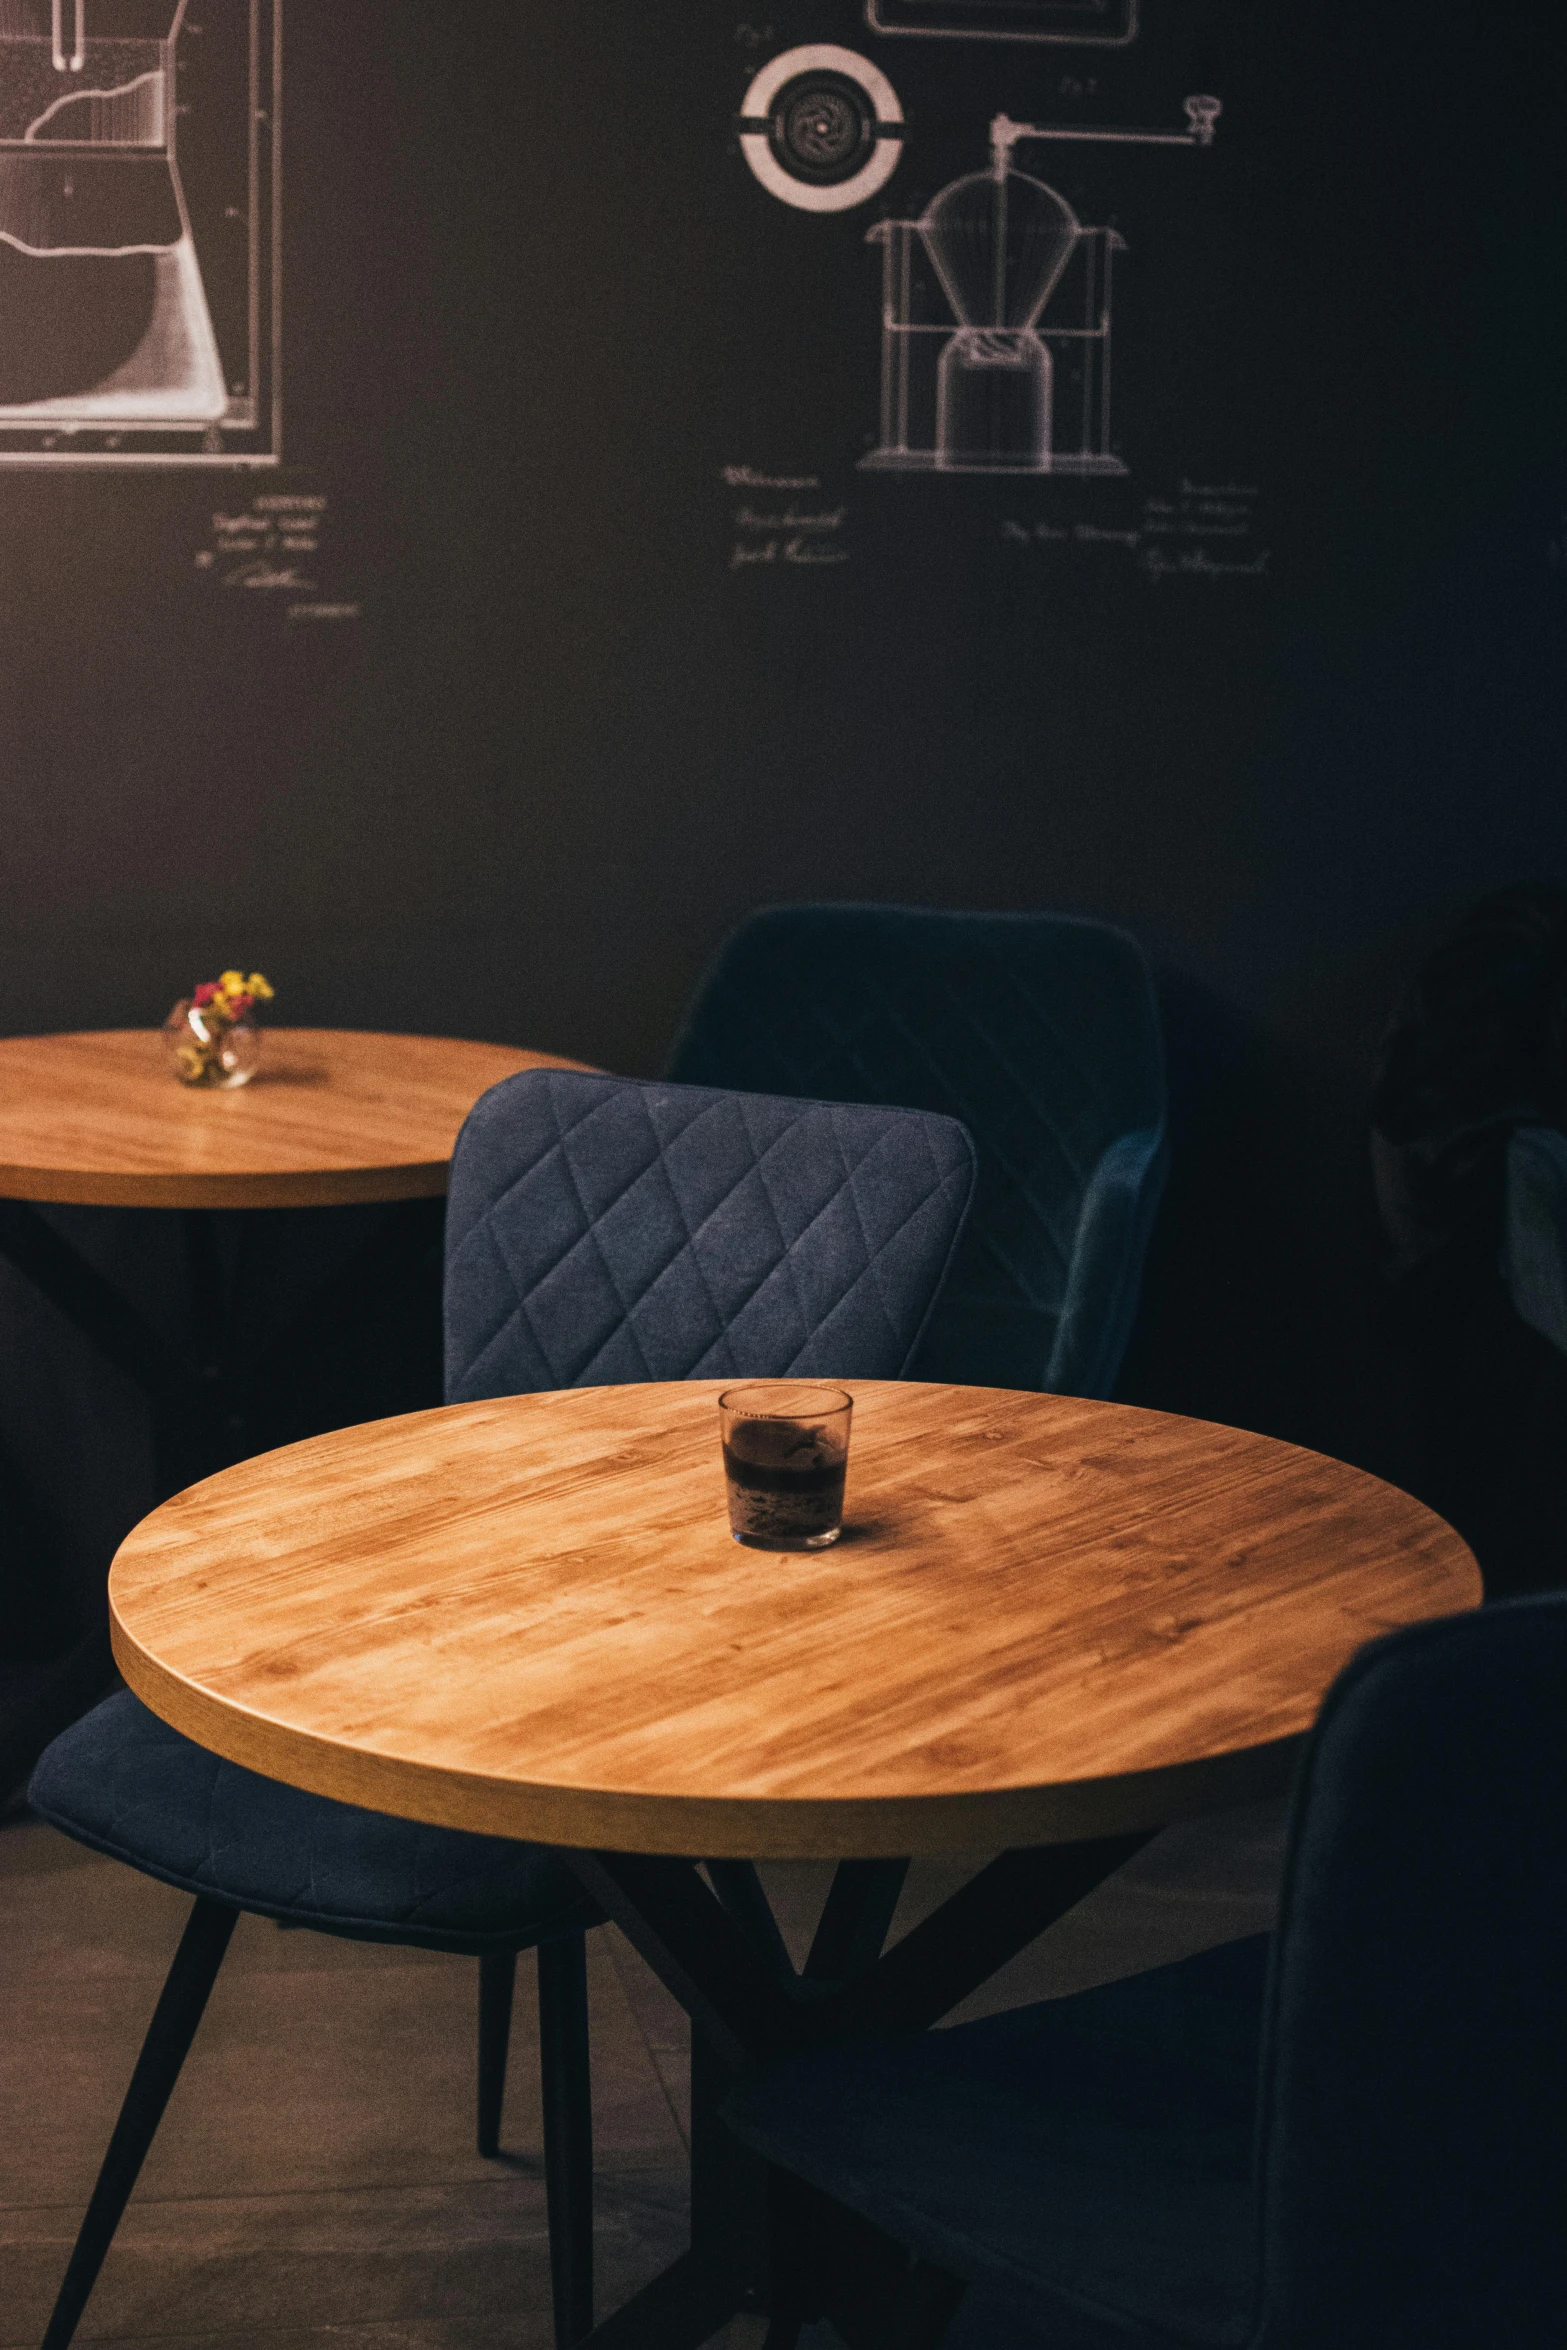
column 996, row 319
column 103, row 313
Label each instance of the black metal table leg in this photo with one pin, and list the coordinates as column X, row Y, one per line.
column 189, row 1438
column 201, row 1396
column 729, row 2209
column 856, row 1918
column 709, row 1946
column 91, row 1304
column 970, row 1938
column 179, row 1388
column 739, row 1888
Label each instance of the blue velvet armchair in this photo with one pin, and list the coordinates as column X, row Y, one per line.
column 1354, row 2139
column 1041, row 1034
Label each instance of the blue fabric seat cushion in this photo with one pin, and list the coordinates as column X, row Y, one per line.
column 126, row 1784
column 1090, row 2157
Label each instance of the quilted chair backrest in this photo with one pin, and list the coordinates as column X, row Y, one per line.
column 1414, row 2138
column 1042, row 1035
column 602, row 1229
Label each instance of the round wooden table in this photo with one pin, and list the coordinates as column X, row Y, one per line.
column 1048, row 1619
column 335, row 1117
column 1051, row 1625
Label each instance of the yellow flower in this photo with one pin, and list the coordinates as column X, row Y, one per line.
column 232, row 983
column 260, row 988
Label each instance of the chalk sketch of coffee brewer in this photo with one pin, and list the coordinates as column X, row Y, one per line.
column 996, row 318
column 104, row 317
column 970, row 366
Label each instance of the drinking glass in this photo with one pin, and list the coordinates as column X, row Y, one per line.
column 786, row 1453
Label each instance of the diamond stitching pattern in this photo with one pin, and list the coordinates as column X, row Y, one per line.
column 602, row 1229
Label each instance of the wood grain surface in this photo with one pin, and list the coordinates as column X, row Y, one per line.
column 334, row 1116
column 1047, row 1619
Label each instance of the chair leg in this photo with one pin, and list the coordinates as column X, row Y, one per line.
column 169, row 2035
column 497, row 1980
column 568, row 2133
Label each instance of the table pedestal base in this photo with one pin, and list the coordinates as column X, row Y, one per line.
column 762, row 2242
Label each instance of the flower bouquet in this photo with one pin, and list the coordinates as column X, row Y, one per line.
column 211, row 1036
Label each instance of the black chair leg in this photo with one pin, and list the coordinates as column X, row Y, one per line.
column 568, row 2133
column 497, row 1979
column 169, row 2035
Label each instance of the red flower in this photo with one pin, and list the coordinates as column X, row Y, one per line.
column 207, row 990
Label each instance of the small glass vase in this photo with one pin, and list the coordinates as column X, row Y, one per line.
column 206, row 1051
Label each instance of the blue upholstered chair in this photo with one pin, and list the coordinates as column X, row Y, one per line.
column 1356, row 2141
column 601, row 1230
column 1041, row 1034
column 598, row 1230
column 1534, row 1230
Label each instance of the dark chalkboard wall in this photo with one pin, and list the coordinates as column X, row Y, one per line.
column 507, row 716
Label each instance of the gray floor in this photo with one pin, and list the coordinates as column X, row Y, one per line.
column 314, row 2185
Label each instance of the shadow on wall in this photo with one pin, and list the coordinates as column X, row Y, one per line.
column 1327, row 1267
column 1259, row 1303
column 1477, row 1052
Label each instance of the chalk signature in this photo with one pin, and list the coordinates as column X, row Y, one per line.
column 262, row 574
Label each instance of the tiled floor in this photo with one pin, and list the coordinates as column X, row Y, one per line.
column 314, row 2185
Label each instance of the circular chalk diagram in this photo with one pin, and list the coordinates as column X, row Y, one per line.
column 821, row 127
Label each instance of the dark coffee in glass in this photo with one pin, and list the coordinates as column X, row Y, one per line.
column 786, row 1456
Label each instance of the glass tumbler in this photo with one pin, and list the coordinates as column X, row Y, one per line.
column 786, row 1454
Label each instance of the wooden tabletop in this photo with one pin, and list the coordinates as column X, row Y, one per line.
column 334, row 1116
column 1047, row 1619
